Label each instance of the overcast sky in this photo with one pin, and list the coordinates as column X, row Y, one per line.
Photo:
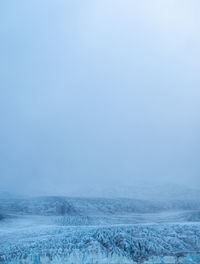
column 97, row 92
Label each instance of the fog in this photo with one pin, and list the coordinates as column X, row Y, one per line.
column 95, row 94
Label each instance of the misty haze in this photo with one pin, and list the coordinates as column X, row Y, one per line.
column 99, row 132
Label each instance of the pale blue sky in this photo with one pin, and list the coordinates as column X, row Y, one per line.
column 95, row 92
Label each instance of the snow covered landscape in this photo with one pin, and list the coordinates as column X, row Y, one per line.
column 99, row 132
column 98, row 230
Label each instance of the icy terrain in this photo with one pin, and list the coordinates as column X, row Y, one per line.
column 78, row 230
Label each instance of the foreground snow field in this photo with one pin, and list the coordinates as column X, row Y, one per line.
column 53, row 231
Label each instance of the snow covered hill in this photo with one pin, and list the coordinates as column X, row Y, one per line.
column 55, row 205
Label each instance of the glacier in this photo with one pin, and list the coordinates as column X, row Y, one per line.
column 78, row 230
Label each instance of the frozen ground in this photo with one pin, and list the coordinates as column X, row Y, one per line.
column 69, row 230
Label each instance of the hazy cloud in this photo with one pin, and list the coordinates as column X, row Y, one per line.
column 98, row 92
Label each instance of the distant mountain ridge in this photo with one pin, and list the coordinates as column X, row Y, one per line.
column 141, row 191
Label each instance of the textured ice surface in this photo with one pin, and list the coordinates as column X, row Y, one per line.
column 133, row 242
column 93, row 231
